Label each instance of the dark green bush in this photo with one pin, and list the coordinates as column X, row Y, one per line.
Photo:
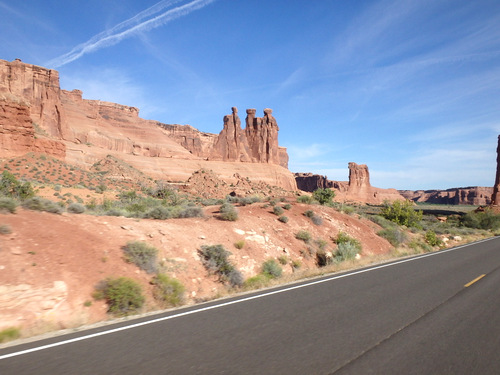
column 324, row 196
column 272, row 269
column 123, row 295
column 168, row 291
column 228, row 212
column 309, row 213
column 287, row 206
column 142, row 255
column 11, row 187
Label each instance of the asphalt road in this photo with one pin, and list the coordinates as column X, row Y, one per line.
column 412, row 316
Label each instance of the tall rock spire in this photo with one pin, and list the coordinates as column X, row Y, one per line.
column 495, row 198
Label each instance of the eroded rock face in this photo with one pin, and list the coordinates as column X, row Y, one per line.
column 262, row 135
column 310, row 182
column 359, row 176
column 39, row 87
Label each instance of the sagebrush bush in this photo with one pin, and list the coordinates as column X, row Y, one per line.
column 168, row 291
column 76, row 208
column 5, row 229
column 190, row 211
column 287, row 206
column 394, row 235
column 303, row 235
column 158, row 213
column 42, row 204
column 277, row 210
column 272, row 269
column 283, row 259
column 215, row 258
column 486, row 220
column 228, row 212
column 306, row 199
column 432, row 239
column 123, row 295
column 346, row 251
column 317, row 220
column 7, row 205
column 283, row 219
column 142, row 255
column 309, row 213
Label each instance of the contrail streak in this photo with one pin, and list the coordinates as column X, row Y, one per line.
column 130, row 27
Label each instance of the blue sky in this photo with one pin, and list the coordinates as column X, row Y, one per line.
column 409, row 87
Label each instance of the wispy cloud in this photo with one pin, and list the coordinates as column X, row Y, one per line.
column 143, row 21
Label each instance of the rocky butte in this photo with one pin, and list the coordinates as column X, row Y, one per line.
column 37, row 115
column 357, row 189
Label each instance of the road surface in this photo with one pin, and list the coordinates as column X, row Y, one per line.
column 438, row 313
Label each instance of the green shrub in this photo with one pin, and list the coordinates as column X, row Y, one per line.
column 306, row 199
column 277, row 210
column 402, row 213
column 324, row 196
column 190, row 211
column 303, row 235
column 432, row 239
column 287, row 206
column 239, row 244
column 142, row 255
column 256, row 282
column 346, row 251
column 10, row 333
column 272, row 269
column 486, row 220
column 296, row 264
column 11, row 187
column 394, row 235
column 168, row 291
column 42, row 204
column 76, row 208
column 215, row 258
column 283, row 219
column 123, row 295
column 283, row 260
column 309, row 213
column 158, row 213
column 5, row 229
column 228, row 212
column 7, row 205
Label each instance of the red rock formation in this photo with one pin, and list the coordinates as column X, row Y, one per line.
column 17, row 133
column 358, row 189
column 495, row 197
column 40, row 88
column 86, row 131
column 475, row 195
column 262, row 135
column 232, row 144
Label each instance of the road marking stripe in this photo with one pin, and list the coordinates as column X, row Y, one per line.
column 473, row 281
column 76, row 339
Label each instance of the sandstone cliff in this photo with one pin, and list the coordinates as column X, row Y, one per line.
column 495, row 197
column 84, row 132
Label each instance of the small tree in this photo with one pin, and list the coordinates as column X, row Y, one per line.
column 402, row 213
column 324, row 196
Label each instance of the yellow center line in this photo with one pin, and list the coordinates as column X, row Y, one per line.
column 473, row 281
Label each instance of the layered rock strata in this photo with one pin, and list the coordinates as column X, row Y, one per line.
column 474, row 195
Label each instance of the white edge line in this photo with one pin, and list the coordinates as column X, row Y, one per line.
column 22, row 352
